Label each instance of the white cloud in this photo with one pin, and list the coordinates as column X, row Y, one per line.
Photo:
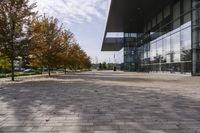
column 73, row 11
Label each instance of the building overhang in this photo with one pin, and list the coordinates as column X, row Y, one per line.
column 112, row 44
column 130, row 16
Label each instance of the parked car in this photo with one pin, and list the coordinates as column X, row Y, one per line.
column 61, row 69
column 28, row 70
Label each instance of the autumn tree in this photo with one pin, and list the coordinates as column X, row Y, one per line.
column 67, row 37
column 48, row 41
column 84, row 60
column 77, row 58
column 4, row 64
column 15, row 16
column 72, row 56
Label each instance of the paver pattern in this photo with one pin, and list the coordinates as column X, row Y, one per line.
column 101, row 102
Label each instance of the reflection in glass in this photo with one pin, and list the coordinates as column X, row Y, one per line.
column 186, row 39
column 177, row 57
column 153, row 52
column 167, row 48
column 175, row 42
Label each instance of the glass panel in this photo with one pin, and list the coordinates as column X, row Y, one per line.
column 186, row 25
column 176, row 10
column 146, row 51
column 186, row 67
column 186, row 45
column 153, row 52
column 177, row 57
column 186, row 55
column 175, row 46
column 167, row 49
column 176, row 24
column 186, row 18
column 186, row 39
column 167, row 11
column 160, row 49
column 154, row 22
column 175, row 42
column 160, row 17
column 176, row 15
column 149, row 26
column 186, row 6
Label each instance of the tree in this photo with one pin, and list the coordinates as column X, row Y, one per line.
column 77, row 58
column 104, row 65
column 73, row 56
column 4, row 62
column 15, row 16
column 110, row 66
column 67, row 38
column 48, row 41
column 100, row 66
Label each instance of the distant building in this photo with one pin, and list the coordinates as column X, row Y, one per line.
column 158, row 35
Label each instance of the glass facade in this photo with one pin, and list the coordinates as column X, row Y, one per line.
column 171, row 52
column 170, row 42
column 130, row 52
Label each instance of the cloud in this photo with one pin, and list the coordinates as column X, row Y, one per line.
column 73, row 11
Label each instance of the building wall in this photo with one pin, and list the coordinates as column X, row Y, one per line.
column 169, row 43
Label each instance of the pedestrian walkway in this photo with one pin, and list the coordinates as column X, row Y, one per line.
column 101, row 102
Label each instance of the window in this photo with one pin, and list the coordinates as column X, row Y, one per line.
column 167, row 48
column 186, row 11
column 176, row 15
column 186, row 6
column 159, row 48
column 186, row 39
column 175, row 42
column 153, row 51
column 160, row 17
column 154, row 22
column 166, row 11
column 177, row 57
column 149, row 26
column 146, row 51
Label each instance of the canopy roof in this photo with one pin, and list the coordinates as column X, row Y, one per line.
column 130, row 16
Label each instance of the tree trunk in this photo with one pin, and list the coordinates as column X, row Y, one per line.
column 13, row 69
column 4, row 71
column 49, row 71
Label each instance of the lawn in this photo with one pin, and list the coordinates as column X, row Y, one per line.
column 3, row 75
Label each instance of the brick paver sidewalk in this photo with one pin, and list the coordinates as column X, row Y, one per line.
column 101, row 102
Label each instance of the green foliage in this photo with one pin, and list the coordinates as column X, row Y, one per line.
column 77, row 58
column 104, row 66
column 21, row 74
column 15, row 16
column 38, row 41
column 48, row 42
column 4, row 62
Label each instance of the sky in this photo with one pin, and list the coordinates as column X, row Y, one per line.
column 85, row 18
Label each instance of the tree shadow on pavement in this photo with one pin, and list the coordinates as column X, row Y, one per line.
column 63, row 104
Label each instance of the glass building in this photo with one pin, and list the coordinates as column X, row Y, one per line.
column 158, row 36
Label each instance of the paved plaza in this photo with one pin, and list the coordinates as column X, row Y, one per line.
column 101, row 102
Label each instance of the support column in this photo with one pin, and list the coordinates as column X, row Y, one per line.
column 195, row 37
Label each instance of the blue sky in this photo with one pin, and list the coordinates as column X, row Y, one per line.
column 85, row 18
